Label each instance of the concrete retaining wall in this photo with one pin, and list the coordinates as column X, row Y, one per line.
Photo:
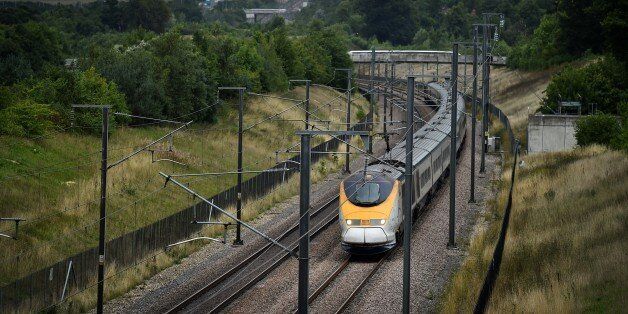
column 550, row 133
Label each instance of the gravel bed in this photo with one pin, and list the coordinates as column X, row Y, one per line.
column 432, row 262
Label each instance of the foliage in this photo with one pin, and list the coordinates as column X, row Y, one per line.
column 577, row 28
column 152, row 15
column 601, row 129
column 601, row 84
column 32, row 108
column 541, row 50
column 26, row 118
column 622, row 141
column 273, row 77
column 390, row 20
column 25, row 49
column 287, row 51
column 400, row 21
column 183, row 70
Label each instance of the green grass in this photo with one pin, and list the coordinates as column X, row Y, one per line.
column 68, row 197
column 566, row 245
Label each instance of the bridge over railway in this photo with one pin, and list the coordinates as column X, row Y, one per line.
column 414, row 56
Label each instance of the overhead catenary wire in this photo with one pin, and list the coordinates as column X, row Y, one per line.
column 83, row 227
column 130, row 267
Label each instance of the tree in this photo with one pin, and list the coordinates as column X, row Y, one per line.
column 393, row 20
column 601, row 84
column 456, row 21
column 62, row 89
column 580, row 27
column 149, row 14
column 137, row 74
column 542, row 49
column 273, row 76
column 25, row 49
column 286, row 50
column 182, row 67
column 615, row 27
column 601, row 129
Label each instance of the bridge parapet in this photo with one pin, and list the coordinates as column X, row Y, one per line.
column 415, row 56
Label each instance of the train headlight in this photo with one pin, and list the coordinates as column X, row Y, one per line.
column 349, row 222
column 378, row 222
column 352, row 222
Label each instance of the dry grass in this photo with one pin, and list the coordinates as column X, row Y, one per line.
column 518, row 94
column 120, row 283
column 567, row 241
column 68, row 197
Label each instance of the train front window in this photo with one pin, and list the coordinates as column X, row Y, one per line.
column 368, row 190
column 366, row 194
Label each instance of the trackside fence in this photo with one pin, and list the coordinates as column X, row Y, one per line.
column 52, row 284
column 496, row 259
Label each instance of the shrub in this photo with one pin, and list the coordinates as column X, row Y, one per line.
column 64, row 88
column 602, row 83
column 597, row 129
column 540, row 50
column 26, row 118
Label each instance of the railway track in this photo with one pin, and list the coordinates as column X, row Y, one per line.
column 367, row 265
column 223, row 290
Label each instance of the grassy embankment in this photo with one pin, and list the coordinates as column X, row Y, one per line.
column 567, row 241
column 67, row 187
column 567, row 236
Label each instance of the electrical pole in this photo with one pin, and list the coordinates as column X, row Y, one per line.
column 385, row 106
column 372, row 102
column 307, row 101
column 474, row 102
column 307, row 104
column 465, row 71
column 392, row 82
column 304, row 223
column 484, row 94
column 103, row 210
column 103, row 204
column 407, row 196
column 348, row 137
column 454, row 139
column 238, row 239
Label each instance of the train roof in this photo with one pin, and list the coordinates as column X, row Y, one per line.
column 430, row 135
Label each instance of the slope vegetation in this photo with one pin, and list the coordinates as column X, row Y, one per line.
column 54, row 182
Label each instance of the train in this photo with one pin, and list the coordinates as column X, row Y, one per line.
column 371, row 213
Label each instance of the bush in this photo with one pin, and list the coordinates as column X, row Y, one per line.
column 622, row 141
column 602, row 84
column 540, row 50
column 64, row 88
column 25, row 49
column 601, row 129
column 26, row 119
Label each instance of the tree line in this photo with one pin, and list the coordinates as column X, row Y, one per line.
column 49, row 60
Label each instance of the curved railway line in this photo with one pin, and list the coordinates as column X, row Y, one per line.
column 223, row 290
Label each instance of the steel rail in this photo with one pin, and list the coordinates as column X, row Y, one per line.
column 357, row 290
column 270, row 268
column 216, row 282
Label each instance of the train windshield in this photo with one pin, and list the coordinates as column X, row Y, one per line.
column 368, row 190
column 367, row 193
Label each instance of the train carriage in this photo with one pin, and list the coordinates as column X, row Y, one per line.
column 371, row 213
